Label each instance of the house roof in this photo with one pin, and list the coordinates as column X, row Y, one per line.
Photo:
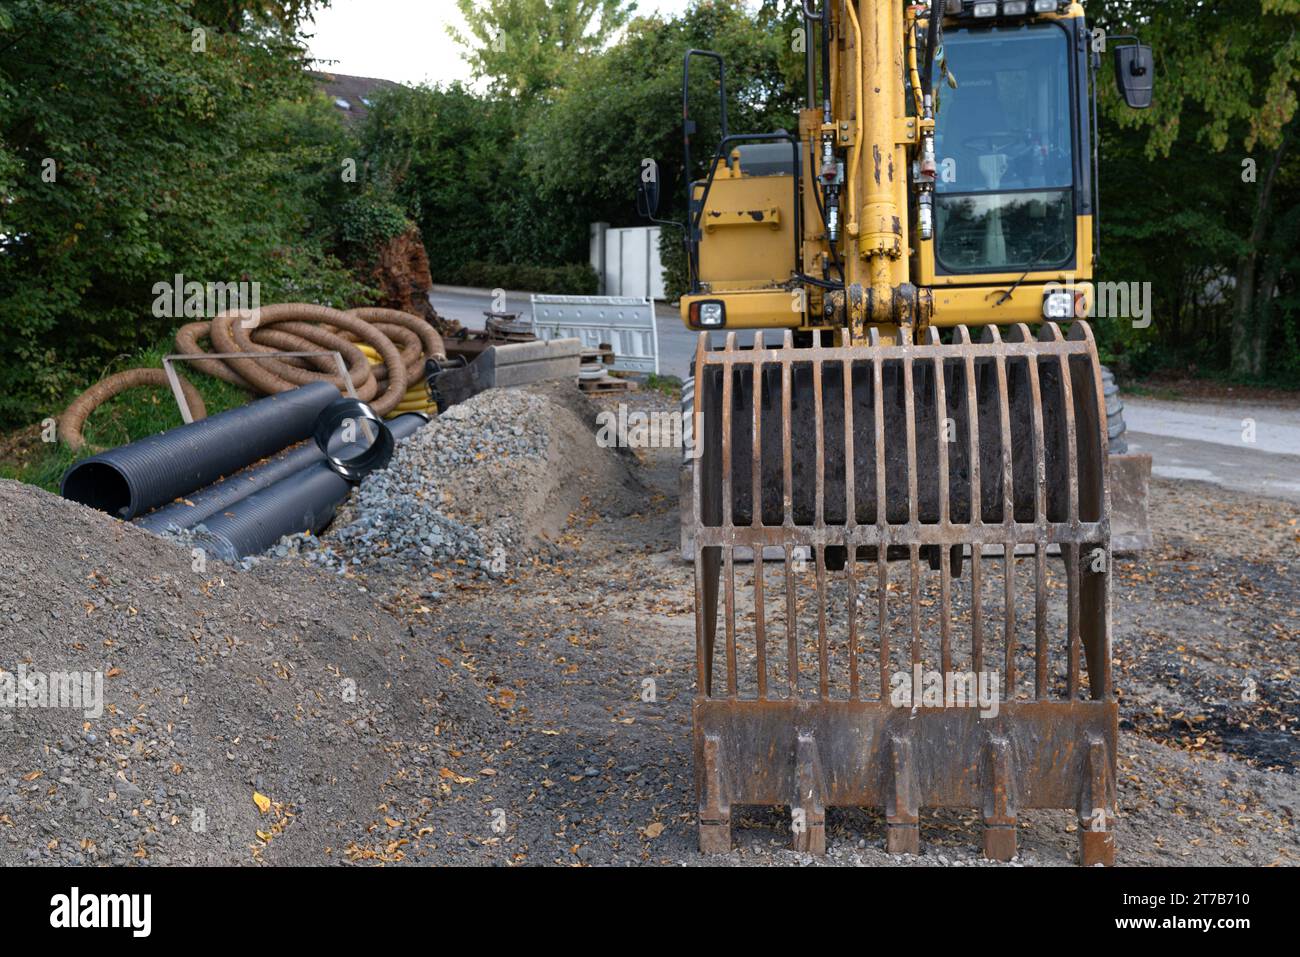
column 351, row 94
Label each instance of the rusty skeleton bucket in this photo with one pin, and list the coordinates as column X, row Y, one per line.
column 977, row 467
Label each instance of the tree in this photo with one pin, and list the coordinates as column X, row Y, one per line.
column 445, row 152
column 620, row 109
column 235, row 15
column 128, row 154
column 491, row 179
column 525, row 47
column 1226, row 75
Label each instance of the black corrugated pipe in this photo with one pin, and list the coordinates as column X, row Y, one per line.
column 131, row 479
column 303, row 501
column 206, row 502
column 200, row 505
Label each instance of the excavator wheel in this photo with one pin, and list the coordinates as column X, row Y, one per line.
column 1116, row 428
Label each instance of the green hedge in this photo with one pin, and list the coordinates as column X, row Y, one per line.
column 127, row 158
column 575, row 279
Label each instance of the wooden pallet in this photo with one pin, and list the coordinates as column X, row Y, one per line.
column 603, row 355
column 607, row 383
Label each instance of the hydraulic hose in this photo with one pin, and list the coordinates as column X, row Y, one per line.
column 931, row 41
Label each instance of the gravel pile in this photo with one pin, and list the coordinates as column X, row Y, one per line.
column 281, row 714
column 481, row 487
column 213, row 685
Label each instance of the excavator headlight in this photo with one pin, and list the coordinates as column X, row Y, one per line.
column 708, row 315
column 1015, row 8
column 1058, row 304
column 989, row 9
column 1046, row 6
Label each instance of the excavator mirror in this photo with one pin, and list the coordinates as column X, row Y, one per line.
column 1135, row 74
column 647, row 189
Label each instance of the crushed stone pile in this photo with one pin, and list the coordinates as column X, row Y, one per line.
column 482, row 486
column 276, row 713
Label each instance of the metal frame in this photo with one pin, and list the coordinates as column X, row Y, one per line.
column 187, row 417
column 689, row 126
column 587, row 313
column 1081, row 186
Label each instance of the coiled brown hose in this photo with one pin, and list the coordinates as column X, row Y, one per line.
column 410, row 348
column 231, row 333
column 428, row 336
column 403, row 342
column 187, row 342
column 74, row 416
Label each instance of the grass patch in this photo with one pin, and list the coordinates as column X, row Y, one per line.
column 669, row 385
column 136, row 413
column 1149, row 392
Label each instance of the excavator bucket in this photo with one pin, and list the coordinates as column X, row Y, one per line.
column 938, row 632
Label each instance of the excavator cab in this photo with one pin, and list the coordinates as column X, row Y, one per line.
column 1003, row 221
column 1008, row 193
column 899, row 498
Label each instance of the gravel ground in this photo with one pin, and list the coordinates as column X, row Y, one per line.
column 602, row 776
column 501, row 715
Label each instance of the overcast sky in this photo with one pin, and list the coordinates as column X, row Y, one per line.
column 404, row 40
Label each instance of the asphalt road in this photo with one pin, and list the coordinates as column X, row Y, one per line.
column 1243, row 446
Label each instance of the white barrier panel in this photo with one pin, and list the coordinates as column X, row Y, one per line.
column 628, row 261
column 625, row 323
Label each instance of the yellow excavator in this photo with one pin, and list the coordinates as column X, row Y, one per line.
column 899, row 506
